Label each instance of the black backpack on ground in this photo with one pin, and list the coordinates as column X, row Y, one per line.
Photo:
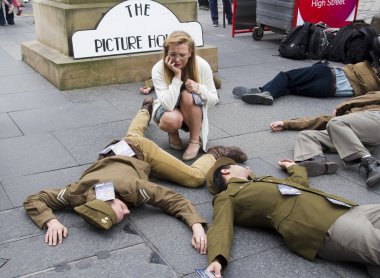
column 359, row 45
column 317, row 42
column 294, row 45
column 351, row 44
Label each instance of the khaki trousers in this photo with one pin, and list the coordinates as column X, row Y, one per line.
column 345, row 135
column 354, row 236
column 164, row 164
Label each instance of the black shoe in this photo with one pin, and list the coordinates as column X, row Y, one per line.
column 317, row 166
column 373, row 271
column 148, row 105
column 264, row 98
column 11, row 23
column 215, row 23
column 372, row 169
column 241, row 91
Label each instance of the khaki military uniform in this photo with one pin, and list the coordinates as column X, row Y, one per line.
column 362, row 77
column 302, row 220
column 130, row 180
column 346, row 134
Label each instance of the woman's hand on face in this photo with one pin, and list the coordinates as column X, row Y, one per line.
column 192, row 86
column 171, row 64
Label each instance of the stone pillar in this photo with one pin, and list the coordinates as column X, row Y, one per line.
column 51, row 54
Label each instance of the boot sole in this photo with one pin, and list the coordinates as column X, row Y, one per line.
column 314, row 169
column 373, row 181
column 257, row 99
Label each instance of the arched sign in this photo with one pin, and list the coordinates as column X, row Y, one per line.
column 133, row 26
column 335, row 13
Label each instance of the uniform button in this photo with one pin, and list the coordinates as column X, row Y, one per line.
column 241, row 187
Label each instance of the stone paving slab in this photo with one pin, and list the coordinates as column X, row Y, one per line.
column 23, row 83
column 280, row 262
column 125, row 262
column 172, row 240
column 5, row 203
column 29, row 100
column 85, row 143
column 66, row 116
column 21, row 226
column 19, row 188
column 8, row 127
column 83, row 242
column 22, row 155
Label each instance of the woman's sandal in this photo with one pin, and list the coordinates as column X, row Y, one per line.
column 191, row 155
column 177, row 145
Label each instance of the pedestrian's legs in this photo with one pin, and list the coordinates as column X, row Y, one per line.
column 228, row 10
column 310, row 143
column 314, row 81
column 2, row 17
column 354, row 236
column 349, row 132
column 9, row 16
column 214, row 10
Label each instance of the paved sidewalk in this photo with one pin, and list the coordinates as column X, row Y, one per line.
column 48, row 137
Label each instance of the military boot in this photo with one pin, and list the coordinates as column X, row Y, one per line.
column 318, row 165
column 372, row 169
column 234, row 153
column 148, row 105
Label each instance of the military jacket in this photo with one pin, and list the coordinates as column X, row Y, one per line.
column 130, row 180
column 362, row 77
column 302, row 219
column 370, row 101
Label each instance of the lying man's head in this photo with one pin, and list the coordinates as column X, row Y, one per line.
column 224, row 169
column 103, row 214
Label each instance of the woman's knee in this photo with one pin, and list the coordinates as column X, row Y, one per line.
column 186, row 99
column 171, row 121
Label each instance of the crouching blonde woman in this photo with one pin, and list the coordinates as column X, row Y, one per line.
column 185, row 90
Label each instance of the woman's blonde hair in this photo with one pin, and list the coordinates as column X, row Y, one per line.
column 191, row 70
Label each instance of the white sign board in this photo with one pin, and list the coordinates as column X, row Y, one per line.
column 132, row 26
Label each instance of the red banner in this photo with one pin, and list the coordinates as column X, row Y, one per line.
column 335, row 13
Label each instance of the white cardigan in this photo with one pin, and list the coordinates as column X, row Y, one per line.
column 167, row 94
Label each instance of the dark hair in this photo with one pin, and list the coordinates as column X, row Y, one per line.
column 218, row 178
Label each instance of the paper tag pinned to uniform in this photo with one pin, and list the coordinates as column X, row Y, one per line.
column 119, row 148
column 105, row 191
column 288, row 190
column 337, row 202
column 122, row 148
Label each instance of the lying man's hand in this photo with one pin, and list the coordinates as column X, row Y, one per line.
column 286, row 163
column 277, row 126
column 215, row 267
column 199, row 239
column 55, row 232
